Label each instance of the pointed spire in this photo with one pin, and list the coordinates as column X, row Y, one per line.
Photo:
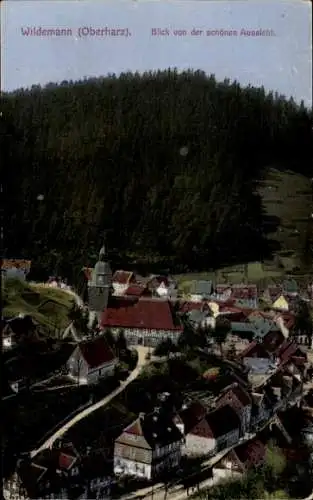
column 102, row 253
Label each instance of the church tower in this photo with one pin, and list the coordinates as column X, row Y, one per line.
column 99, row 286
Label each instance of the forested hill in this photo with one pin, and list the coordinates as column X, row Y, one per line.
column 165, row 163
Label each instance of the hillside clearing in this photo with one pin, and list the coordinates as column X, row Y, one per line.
column 48, row 307
column 285, row 195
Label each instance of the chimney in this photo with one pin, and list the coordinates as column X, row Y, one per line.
column 141, row 415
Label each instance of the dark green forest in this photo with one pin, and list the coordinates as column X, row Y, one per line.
column 163, row 165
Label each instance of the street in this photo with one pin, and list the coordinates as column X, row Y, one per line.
column 142, row 351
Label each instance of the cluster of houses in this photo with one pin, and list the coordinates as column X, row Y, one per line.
column 154, row 443
column 148, row 310
column 15, row 268
column 89, row 362
column 61, row 473
column 239, row 411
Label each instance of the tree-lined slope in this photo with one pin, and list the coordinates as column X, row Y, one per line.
column 166, row 163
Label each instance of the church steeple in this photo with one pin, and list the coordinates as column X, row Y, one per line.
column 102, row 253
column 99, row 285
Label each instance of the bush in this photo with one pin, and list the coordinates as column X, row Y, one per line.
column 164, row 348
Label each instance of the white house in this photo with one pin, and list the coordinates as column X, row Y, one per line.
column 8, row 340
column 149, row 445
column 217, row 430
column 162, row 290
column 91, row 361
column 121, row 281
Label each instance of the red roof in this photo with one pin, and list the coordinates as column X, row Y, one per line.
column 190, row 306
column 134, row 428
column 96, row 352
column 242, row 395
column 16, row 264
column 254, row 350
column 66, row 461
column 289, row 350
column 218, row 422
column 296, row 454
column 136, row 290
column 122, row 277
column 234, row 314
column 289, row 319
column 244, row 291
column 251, row 453
column 274, row 290
column 272, row 340
column 150, row 314
column 87, row 272
column 261, row 314
column 192, row 415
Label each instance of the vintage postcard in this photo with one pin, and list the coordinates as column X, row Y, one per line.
column 157, row 249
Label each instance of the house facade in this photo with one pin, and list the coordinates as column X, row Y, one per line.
column 144, row 321
column 189, row 416
column 261, row 409
column 122, row 280
column 7, row 335
column 219, row 429
column 59, row 474
column 92, row 361
column 281, row 304
column 243, row 458
column 257, row 359
column 148, row 446
column 15, row 268
column 240, row 400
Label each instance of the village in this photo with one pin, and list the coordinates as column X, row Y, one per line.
column 244, row 359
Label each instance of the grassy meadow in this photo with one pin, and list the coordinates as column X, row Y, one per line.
column 48, row 307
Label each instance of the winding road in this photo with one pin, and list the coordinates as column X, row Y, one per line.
column 142, row 351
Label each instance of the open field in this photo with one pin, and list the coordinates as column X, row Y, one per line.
column 288, row 196
column 48, row 306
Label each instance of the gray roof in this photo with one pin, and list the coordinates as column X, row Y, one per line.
column 290, row 286
column 201, row 287
column 258, row 365
column 197, row 316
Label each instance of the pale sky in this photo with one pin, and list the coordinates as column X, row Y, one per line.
column 282, row 63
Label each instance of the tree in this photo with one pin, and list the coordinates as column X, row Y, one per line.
column 121, row 342
column 221, row 330
column 109, row 337
column 164, row 348
column 303, row 318
column 80, row 318
column 94, row 326
column 275, row 464
column 238, row 129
